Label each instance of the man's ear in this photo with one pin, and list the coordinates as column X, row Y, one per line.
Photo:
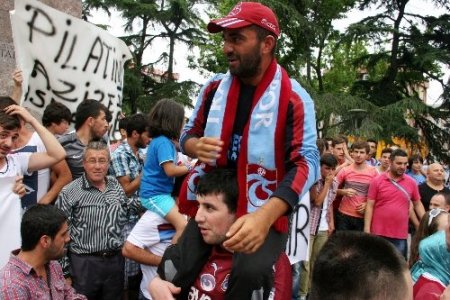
column 269, row 44
column 45, row 241
column 90, row 121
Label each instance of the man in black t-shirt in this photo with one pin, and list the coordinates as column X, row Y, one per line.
column 433, row 185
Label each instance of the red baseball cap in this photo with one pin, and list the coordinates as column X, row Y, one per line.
column 245, row 14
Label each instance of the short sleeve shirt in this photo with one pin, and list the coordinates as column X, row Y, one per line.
column 358, row 180
column 391, row 208
column 154, row 180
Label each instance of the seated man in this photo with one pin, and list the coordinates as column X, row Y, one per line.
column 354, row 265
column 217, row 196
column 45, row 233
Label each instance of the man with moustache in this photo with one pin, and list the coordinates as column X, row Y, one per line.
column 388, row 200
column 257, row 120
column 32, row 272
column 98, row 210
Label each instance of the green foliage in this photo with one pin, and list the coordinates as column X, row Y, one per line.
column 147, row 22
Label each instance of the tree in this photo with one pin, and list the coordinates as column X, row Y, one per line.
column 413, row 47
column 147, row 23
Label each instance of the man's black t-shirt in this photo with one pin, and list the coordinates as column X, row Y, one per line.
column 242, row 114
column 426, row 193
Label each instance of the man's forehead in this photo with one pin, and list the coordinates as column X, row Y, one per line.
column 9, row 131
column 438, row 197
column 96, row 152
column 435, row 166
column 401, row 159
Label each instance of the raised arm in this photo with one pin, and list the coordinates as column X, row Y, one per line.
column 17, row 89
column 55, row 152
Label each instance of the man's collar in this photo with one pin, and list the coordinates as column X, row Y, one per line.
column 86, row 184
column 22, row 265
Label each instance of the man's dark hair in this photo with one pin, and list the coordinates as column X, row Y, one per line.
column 328, row 160
column 372, row 141
column 220, row 181
column 337, row 140
column 322, row 145
column 55, row 113
column 446, row 196
column 40, row 220
column 90, row 108
column 414, row 158
column 398, row 152
column 357, row 265
column 9, row 122
column 361, row 145
column 261, row 34
column 123, row 123
column 386, row 150
column 6, row 101
column 166, row 118
column 138, row 122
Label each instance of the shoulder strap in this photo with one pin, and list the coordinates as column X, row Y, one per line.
column 400, row 188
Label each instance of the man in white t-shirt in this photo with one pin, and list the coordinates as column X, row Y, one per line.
column 13, row 165
column 146, row 245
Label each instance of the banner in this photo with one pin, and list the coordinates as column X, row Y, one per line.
column 66, row 59
column 298, row 240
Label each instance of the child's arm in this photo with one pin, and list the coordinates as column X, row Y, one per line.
column 172, row 170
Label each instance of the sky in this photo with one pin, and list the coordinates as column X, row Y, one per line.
column 181, row 64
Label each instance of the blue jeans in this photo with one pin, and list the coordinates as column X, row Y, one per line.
column 399, row 244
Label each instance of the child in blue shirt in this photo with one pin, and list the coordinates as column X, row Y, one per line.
column 166, row 120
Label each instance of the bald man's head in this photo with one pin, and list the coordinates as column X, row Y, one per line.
column 435, row 173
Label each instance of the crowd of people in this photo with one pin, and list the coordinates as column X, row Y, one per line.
column 201, row 210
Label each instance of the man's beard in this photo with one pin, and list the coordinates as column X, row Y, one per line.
column 249, row 64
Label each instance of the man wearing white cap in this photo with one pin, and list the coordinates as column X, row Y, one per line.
column 258, row 121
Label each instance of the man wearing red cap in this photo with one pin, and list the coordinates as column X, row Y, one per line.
column 257, row 120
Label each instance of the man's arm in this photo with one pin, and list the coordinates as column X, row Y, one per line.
column 55, row 152
column 206, row 149
column 63, row 178
column 319, row 198
column 418, row 208
column 368, row 215
column 122, row 171
column 140, row 255
column 162, row 290
column 248, row 232
column 413, row 217
column 129, row 186
column 17, row 89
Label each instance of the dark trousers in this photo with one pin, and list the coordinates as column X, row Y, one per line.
column 346, row 222
column 98, row 277
column 252, row 274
